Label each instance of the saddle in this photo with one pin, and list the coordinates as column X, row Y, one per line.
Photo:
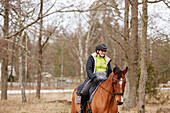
column 92, row 91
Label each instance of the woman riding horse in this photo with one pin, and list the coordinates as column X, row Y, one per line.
column 107, row 96
column 98, row 68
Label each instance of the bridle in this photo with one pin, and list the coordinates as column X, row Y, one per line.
column 113, row 94
column 113, row 78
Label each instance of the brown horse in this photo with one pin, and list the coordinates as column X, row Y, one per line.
column 108, row 95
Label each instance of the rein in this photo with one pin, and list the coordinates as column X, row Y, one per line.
column 107, row 91
column 113, row 87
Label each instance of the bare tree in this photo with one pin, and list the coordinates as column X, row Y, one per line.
column 21, row 76
column 39, row 76
column 62, row 63
column 134, row 54
column 93, row 15
column 41, row 46
column 126, row 58
column 25, row 58
column 80, row 38
column 143, row 76
column 4, row 75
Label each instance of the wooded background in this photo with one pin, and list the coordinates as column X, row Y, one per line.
column 57, row 37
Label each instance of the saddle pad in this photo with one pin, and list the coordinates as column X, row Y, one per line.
column 92, row 95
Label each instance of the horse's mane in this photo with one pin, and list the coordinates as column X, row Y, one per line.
column 119, row 71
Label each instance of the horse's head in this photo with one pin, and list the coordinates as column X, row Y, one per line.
column 118, row 82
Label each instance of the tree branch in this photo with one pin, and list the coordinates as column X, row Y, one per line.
column 48, row 37
column 166, row 4
column 59, row 11
column 119, row 33
column 118, row 43
column 156, row 1
column 16, row 33
column 78, row 10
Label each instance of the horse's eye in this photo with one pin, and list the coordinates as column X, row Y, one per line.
column 114, row 82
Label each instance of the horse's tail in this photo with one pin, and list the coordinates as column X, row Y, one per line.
column 73, row 103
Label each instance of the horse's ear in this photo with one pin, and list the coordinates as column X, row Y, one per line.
column 125, row 70
column 114, row 70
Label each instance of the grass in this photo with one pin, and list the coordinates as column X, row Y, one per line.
column 49, row 103
column 61, row 103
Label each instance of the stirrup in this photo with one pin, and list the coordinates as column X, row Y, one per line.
column 78, row 100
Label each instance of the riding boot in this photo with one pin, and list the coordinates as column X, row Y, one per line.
column 82, row 109
column 82, row 103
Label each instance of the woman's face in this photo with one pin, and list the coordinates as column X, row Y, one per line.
column 101, row 53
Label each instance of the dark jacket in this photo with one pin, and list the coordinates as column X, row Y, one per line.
column 90, row 69
column 91, row 65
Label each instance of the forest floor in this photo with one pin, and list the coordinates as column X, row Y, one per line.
column 61, row 103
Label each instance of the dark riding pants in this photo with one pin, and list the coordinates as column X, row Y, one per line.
column 86, row 88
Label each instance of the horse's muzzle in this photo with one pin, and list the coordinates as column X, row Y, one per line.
column 119, row 103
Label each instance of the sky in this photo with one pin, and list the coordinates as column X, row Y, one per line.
column 158, row 13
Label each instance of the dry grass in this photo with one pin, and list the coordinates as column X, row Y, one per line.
column 155, row 106
column 49, row 103
column 60, row 103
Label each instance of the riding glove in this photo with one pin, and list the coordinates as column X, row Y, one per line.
column 96, row 80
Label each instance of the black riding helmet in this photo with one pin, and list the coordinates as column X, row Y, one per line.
column 101, row 47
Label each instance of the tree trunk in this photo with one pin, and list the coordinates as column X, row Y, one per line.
column 62, row 64
column 87, row 47
column 12, row 62
column 80, row 52
column 89, row 34
column 21, row 76
column 39, row 76
column 143, row 76
column 4, row 75
column 0, row 70
column 26, row 63
column 11, row 73
column 126, row 35
column 87, row 42
column 4, row 78
column 134, row 54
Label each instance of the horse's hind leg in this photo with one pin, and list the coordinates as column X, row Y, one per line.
column 73, row 103
column 75, row 108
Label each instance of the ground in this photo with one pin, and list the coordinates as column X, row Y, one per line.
column 49, row 103
column 61, row 103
